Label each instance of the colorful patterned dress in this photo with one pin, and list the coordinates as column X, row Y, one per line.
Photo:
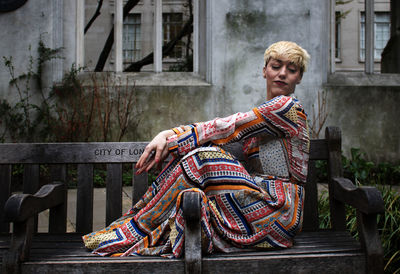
column 260, row 207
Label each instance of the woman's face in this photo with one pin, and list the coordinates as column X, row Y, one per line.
column 282, row 77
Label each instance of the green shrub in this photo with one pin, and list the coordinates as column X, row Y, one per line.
column 101, row 110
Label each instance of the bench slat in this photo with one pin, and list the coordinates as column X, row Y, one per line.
column 124, row 265
column 310, row 221
column 60, row 153
column 84, row 203
column 58, row 215
column 114, row 192
column 318, row 149
column 139, row 185
column 5, row 186
column 31, row 179
column 31, row 184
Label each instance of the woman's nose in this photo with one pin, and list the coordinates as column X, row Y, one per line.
column 282, row 72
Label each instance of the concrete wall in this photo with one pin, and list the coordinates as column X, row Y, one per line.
column 241, row 32
column 365, row 107
column 21, row 30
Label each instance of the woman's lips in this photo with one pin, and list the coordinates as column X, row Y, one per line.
column 280, row 83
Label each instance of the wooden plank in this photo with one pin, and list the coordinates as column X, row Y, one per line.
column 312, row 263
column 82, row 254
column 58, row 214
column 318, row 149
column 139, row 185
column 5, row 239
column 31, row 179
column 114, row 192
column 123, row 265
column 65, row 237
column 331, row 243
column 84, row 203
column 335, row 169
column 5, row 187
column 59, row 153
column 31, row 184
column 310, row 221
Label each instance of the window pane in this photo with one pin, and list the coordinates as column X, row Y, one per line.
column 362, row 37
column 131, row 38
column 382, row 33
column 338, row 34
column 172, row 25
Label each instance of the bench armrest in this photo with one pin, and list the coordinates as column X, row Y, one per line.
column 369, row 202
column 20, row 207
column 367, row 199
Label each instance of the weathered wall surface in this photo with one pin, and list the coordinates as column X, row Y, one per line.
column 53, row 22
column 243, row 29
column 365, row 107
column 162, row 100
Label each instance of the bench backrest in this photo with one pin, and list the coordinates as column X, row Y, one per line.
column 113, row 155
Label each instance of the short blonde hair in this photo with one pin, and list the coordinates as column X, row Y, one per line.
column 289, row 50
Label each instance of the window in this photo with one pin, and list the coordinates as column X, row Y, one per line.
column 131, row 46
column 382, row 33
column 172, row 25
column 143, row 33
column 337, row 34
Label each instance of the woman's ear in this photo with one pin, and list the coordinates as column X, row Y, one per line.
column 300, row 77
column 265, row 72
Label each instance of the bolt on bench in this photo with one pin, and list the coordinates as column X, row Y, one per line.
column 26, row 251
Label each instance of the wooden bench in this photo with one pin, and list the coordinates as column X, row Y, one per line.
column 315, row 250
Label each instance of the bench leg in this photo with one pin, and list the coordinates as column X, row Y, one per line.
column 19, row 247
column 370, row 241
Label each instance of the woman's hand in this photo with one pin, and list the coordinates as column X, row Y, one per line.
column 155, row 152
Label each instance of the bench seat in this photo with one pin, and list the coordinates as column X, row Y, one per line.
column 313, row 252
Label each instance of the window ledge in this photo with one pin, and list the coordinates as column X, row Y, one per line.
column 362, row 79
column 140, row 79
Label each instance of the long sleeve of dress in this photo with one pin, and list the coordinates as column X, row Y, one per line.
column 278, row 117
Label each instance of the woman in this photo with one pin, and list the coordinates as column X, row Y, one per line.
column 261, row 208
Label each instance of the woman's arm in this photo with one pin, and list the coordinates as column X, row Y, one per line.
column 277, row 117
